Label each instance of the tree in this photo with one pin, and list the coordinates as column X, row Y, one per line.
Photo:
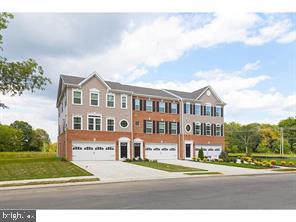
column 201, row 154
column 40, row 140
column 27, row 132
column 289, row 127
column 10, row 139
column 269, row 134
column 17, row 77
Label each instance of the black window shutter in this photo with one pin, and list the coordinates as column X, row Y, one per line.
column 141, row 104
column 144, row 105
column 215, row 111
column 205, row 110
column 214, row 125
column 202, row 126
column 157, row 126
column 201, row 110
column 133, row 104
column 193, row 128
column 178, row 128
column 212, row 129
column 154, row 127
column 184, row 107
column 153, row 106
column 205, row 129
column 222, row 134
column 144, row 126
column 157, row 106
column 166, row 108
column 222, row 112
column 166, row 127
column 169, row 127
column 170, row 107
column 178, row 108
column 193, row 110
column 212, row 111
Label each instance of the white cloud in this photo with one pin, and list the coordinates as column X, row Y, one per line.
column 289, row 37
column 251, row 66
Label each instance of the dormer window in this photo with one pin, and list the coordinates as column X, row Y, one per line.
column 77, row 96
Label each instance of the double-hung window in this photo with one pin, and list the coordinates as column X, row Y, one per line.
column 149, row 106
column 174, row 127
column 187, row 108
column 161, row 127
column 197, row 109
column 137, row 104
column 198, row 128
column 149, row 127
column 161, row 107
column 123, row 101
column 208, row 110
column 94, row 98
column 77, row 122
column 218, row 130
column 110, row 100
column 77, row 96
column 208, row 129
column 110, row 124
column 174, row 108
column 218, row 111
column 94, row 122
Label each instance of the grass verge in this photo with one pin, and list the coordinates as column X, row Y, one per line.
column 285, row 170
column 200, row 173
column 242, row 165
column 51, row 182
column 165, row 166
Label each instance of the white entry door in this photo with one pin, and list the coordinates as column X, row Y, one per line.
column 210, row 151
column 161, row 151
column 93, row 150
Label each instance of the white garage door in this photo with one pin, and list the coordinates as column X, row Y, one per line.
column 210, row 151
column 161, row 151
column 93, row 151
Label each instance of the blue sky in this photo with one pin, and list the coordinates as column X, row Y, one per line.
column 249, row 59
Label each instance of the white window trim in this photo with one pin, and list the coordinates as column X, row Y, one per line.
column 151, row 127
column 107, row 124
column 107, row 100
column 81, row 128
column 124, row 120
column 77, row 90
column 199, row 124
column 164, row 129
column 186, row 127
column 208, row 105
column 209, row 124
column 98, row 93
column 220, row 110
column 97, row 115
column 187, row 111
column 136, row 105
column 151, row 105
column 176, row 128
column 161, row 102
column 123, row 95
column 197, row 104
column 218, row 124
column 176, row 107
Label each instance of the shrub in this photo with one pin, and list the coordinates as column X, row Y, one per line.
column 146, row 159
column 201, row 154
column 291, row 164
column 223, row 155
column 268, row 164
column 283, row 163
column 127, row 160
column 273, row 162
column 220, row 160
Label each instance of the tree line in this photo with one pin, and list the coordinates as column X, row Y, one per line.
column 20, row 136
column 261, row 138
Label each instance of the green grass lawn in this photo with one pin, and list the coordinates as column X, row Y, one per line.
column 242, row 165
column 165, row 166
column 285, row 169
column 23, row 166
column 262, row 154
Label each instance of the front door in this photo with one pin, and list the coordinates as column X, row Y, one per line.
column 137, row 150
column 123, row 150
column 187, row 150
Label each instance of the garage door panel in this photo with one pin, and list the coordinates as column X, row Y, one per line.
column 93, row 150
column 210, row 151
column 161, row 151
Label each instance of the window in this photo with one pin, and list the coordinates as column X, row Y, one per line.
column 188, row 128
column 123, row 123
column 210, row 149
column 94, row 122
column 172, row 149
column 94, row 98
column 174, row 108
column 77, row 148
column 88, row 148
column 149, row 127
column 174, row 128
column 161, row 107
column 156, row 149
column 197, row 109
column 110, row 124
column 208, row 110
column 109, row 148
column 198, row 128
column 148, row 148
column 218, row 130
column 217, row 149
column 161, row 127
column 110, row 100
column 137, row 104
column 164, row 149
column 99, row 148
column 218, row 111
column 149, row 106
column 123, row 101
column 187, row 108
column 208, row 129
column 137, row 123
column 77, row 96
column 77, row 122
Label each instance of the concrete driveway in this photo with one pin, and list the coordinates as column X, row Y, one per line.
column 116, row 171
column 226, row 170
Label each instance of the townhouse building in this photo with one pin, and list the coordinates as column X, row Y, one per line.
column 104, row 120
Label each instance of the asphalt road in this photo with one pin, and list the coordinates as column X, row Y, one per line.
column 243, row 192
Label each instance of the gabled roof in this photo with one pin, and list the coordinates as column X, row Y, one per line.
column 188, row 95
column 75, row 80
